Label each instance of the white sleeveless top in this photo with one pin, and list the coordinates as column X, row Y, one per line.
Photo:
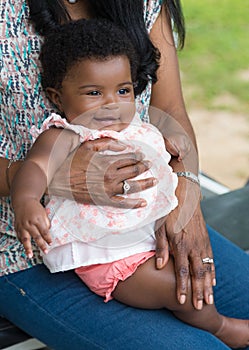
column 85, row 234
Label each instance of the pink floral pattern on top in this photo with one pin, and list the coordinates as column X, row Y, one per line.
column 74, row 222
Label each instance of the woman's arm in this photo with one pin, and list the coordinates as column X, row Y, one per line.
column 184, row 230
column 167, row 91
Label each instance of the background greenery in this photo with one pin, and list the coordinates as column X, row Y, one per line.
column 215, row 60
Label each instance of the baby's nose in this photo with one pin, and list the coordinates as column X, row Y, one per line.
column 111, row 106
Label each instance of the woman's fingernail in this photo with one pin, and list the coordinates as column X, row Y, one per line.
column 199, row 304
column 211, row 299
column 214, row 282
column 147, row 163
column 159, row 263
column 30, row 255
column 154, row 182
column 45, row 251
column 182, row 299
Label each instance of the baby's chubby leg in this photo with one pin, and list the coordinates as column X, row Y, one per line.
column 150, row 288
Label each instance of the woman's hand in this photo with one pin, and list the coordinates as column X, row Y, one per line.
column 89, row 176
column 184, row 233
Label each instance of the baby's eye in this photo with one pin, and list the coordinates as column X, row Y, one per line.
column 123, row 91
column 94, row 93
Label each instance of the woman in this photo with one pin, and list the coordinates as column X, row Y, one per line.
column 58, row 309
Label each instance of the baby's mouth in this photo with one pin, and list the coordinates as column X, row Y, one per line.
column 107, row 120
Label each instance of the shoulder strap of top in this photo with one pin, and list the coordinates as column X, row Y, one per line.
column 152, row 9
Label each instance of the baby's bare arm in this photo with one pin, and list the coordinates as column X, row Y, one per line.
column 30, row 183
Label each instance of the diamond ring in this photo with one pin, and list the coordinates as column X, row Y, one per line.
column 207, row 260
column 126, row 187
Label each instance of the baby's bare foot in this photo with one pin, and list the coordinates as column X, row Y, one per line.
column 234, row 332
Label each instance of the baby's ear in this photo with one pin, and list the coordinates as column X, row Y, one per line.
column 54, row 96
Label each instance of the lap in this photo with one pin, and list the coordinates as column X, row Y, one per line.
column 60, row 311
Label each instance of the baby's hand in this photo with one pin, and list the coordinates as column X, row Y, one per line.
column 31, row 220
column 178, row 146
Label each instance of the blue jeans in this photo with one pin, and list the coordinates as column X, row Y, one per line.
column 60, row 311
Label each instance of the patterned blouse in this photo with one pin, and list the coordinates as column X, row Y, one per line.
column 23, row 104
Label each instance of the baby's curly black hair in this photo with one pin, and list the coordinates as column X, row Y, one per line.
column 72, row 42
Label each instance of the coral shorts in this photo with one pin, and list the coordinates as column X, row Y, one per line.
column 102, row 279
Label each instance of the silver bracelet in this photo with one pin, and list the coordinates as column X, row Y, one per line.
column 190, row 176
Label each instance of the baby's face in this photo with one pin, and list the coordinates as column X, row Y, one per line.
column 99, row 94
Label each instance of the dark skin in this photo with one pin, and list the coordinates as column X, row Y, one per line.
column 167, row 96
column 184, row 230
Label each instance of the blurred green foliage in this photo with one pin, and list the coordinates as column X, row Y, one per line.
column 215, row 60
